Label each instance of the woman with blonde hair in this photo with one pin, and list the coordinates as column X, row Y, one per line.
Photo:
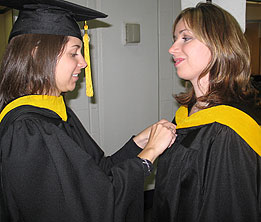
column 213, row 171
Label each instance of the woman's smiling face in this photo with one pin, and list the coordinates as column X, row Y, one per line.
column 69, row 66
column 190, row 55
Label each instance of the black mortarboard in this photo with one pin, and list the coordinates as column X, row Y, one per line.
column 55, row 17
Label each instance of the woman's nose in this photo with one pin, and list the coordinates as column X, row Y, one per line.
column 82, row 63
column 173, row 48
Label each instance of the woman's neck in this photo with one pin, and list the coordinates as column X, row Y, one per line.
column 197, row 107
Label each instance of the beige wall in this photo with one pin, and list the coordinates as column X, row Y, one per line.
column 253, row 11
column 253, row 35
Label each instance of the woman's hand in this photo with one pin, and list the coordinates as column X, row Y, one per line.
column 162, row 135
column 143, row 137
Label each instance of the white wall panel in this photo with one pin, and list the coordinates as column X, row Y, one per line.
column 128, row 86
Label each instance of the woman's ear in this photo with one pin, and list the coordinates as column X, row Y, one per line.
column 34, row 51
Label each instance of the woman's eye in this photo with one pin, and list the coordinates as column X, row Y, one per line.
column 185, row 38
column 74, row 54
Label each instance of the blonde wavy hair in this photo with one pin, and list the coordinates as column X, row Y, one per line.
column 229, row 68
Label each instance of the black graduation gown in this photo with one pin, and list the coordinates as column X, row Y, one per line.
column 52, row 170
column 210, row 174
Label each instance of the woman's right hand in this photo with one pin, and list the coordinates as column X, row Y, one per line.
column 143, row 137
column 162, row 136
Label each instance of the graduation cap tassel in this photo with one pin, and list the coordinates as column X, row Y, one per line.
column 88, row 77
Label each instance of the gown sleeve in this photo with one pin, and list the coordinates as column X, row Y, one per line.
column 81, row 136
column 47, row 176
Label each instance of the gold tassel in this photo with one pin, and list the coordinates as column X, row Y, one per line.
column 88, row 76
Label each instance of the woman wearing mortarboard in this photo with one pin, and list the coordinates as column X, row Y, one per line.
column 51, row 169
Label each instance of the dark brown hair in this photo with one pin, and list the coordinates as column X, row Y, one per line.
column 28, row 66
column 229, row 68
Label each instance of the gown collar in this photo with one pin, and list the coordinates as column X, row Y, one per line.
column 53, row 103
column 244, row 125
